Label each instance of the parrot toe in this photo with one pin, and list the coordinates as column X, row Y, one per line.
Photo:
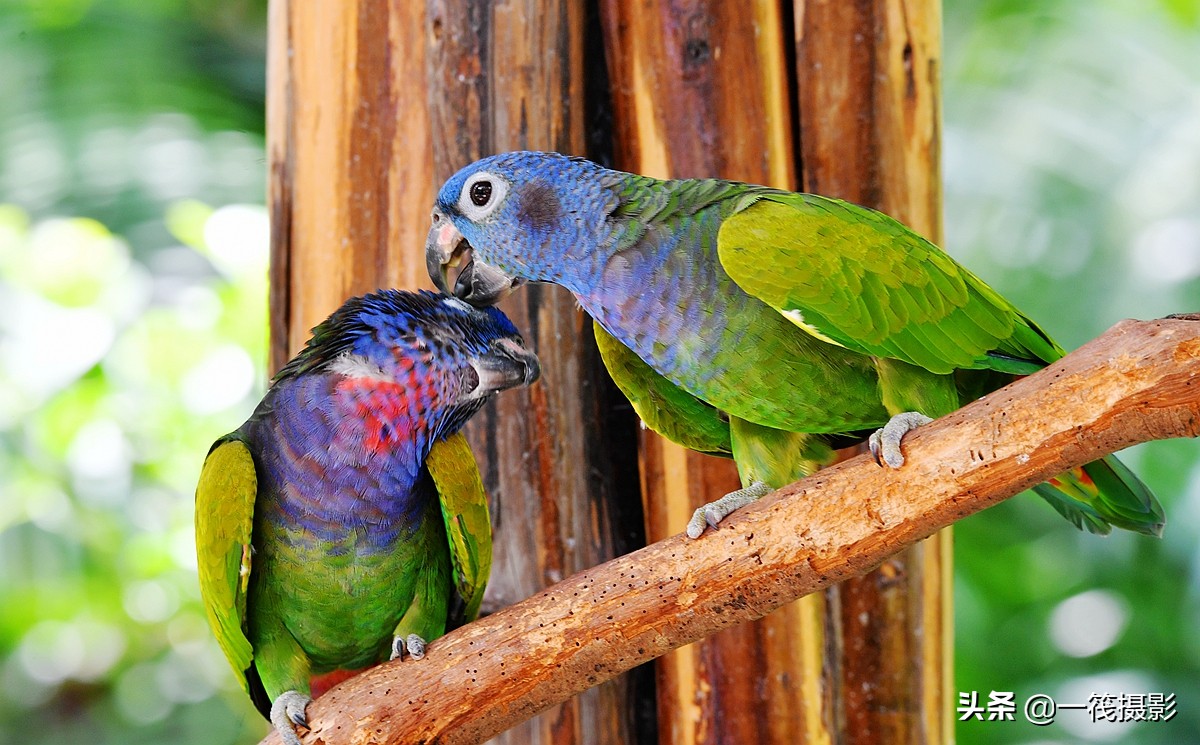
column 412, row 645
column 416, row 646
column 885, row 443
column 287, row 712
column 714, row 512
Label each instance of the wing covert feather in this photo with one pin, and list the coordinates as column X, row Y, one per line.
column 663, row 406
column 867, row 282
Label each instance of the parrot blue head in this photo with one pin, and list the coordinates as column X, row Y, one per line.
column 516, row 217
column 447, row 356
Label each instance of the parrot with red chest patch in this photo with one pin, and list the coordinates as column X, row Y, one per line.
column 345, row 523
column 756, row 323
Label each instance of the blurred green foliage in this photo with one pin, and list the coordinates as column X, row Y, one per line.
column 132, row 332
column 133, row 325
column 1072, row 166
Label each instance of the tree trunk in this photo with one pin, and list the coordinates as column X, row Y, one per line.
column 716, row 89
column 372, row 104
column 350, row 164
column 869, row 79
column 702, row 90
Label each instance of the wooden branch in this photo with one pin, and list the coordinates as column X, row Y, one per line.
column 1140, row 381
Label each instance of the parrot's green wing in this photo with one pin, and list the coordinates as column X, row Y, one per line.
column 664, row 407
column 224, row 521
column 468, row 525
column 858, row 278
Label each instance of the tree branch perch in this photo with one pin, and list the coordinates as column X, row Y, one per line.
column 1140, row 381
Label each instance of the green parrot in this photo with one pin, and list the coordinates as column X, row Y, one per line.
column 345, row 522
column 756, row 323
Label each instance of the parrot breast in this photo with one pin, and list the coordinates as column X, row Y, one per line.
column 347, row 517
column 341, row 455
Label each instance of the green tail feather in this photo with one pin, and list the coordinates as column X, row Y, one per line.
column 1104, row 494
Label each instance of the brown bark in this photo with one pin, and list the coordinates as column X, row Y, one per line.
column 868, row 101
column 1139, row 381
column 507, row 76
column 708, row 89
column 349, row 155
column 701, row 89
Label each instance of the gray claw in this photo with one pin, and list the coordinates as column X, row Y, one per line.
column 412, row 645
column 287, row 711
column 416, row 646
column 885, row 443
column 714, row 512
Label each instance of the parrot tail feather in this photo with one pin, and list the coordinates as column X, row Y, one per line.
column 1104, row 494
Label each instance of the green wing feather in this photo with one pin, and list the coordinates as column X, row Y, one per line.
column 468, row 525
column 224, row 520
column 860, row 279
column 734, row 344
column 663, row 406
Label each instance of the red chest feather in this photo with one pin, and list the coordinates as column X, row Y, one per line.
column 388, row 412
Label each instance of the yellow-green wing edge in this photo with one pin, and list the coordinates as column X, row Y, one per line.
column 465, row 511
column 225, row 498
column 856, row 277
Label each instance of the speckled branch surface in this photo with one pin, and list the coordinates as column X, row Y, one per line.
column 1140, row 381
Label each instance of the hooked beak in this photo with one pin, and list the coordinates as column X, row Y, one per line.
column 507, row 365
column 478, row 283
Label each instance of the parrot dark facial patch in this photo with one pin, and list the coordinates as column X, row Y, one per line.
column 538, row 207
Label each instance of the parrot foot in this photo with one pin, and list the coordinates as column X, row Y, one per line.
column 885, row 443
column 287, row 711
column 714, row 512
column 412, row 645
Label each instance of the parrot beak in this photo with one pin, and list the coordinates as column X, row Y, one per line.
column 478, row 283
column 481, row 284
column 506, row 366
column 444, row 249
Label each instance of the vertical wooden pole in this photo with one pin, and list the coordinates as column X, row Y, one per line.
column 702, row 89
column 350, row 158
column 705, row 88
column 370, row 106
column 868, row 75
column 373, row 104
column 507, row 76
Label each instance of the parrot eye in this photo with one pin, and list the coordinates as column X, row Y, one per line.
column 482, row 195
column 481, row 192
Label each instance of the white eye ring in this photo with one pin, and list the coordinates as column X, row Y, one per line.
column 475, row 212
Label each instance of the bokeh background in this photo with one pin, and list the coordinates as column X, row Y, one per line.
column 133, row 250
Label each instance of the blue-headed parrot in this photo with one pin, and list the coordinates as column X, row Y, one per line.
column 345, row 522
column 757, row 323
